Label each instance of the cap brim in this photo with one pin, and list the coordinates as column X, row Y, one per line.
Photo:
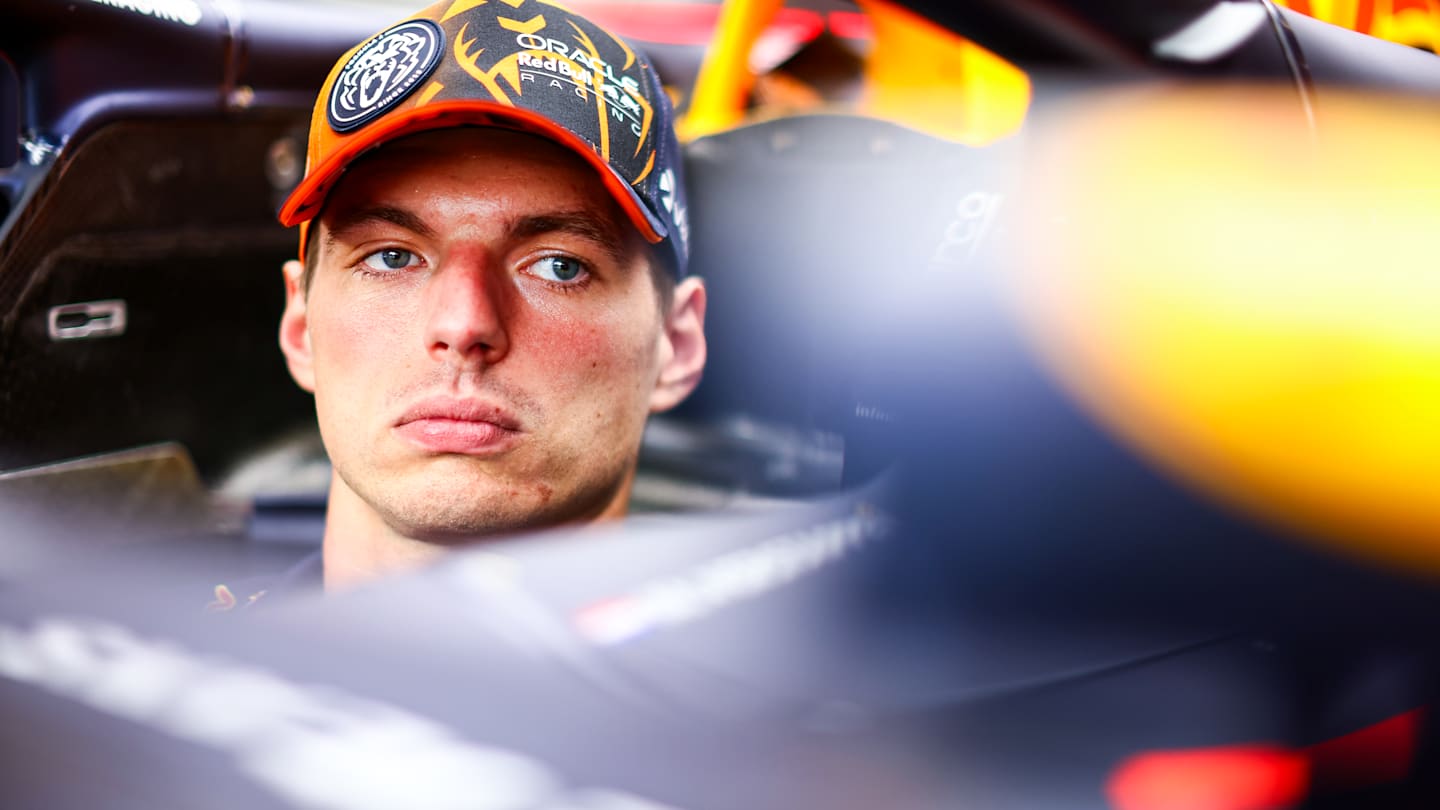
column 307, row 199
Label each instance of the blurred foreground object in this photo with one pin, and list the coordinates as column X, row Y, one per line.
column 1251, row 305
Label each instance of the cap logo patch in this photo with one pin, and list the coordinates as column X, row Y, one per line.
column 383, row 72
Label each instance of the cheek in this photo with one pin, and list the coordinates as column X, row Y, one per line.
column 354, row 342
column 611, row 349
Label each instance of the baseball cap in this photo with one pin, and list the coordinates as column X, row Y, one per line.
column 527, row 65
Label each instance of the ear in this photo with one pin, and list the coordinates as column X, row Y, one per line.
column 295, row 327
column 682, row 347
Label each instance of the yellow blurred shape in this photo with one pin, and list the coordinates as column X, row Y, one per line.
column 1408, row 22
column 718, row 101
column 916, row 74
column 1256, row 310
column 935, row 81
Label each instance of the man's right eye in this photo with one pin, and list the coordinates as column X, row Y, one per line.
column 389, row 259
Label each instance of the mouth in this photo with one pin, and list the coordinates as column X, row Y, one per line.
column 459, row 426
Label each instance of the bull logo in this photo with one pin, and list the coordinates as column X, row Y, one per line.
column 383, row 72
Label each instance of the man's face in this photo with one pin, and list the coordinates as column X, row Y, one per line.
column 481, row 333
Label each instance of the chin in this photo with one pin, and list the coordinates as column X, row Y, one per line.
column 464, row 514
column 456, row 500
column 458, row 526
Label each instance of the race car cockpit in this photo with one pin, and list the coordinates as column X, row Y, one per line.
column 1066, row 442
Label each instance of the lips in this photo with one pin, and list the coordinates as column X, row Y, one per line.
column 460, row 426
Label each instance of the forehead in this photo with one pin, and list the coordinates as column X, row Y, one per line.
column 473, row 170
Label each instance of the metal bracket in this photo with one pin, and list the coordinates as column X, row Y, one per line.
column 93, row 319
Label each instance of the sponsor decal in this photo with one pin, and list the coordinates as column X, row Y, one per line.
column 383, row 72
column 679, row 214
column 185, row 12
column 733, row 577
column 316, row 747
column 556, row 63
column 873, row 413
column 973, row 217
column 589, row 62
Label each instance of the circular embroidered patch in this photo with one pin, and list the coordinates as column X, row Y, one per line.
column 383, row 72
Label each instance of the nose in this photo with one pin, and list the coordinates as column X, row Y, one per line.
column 465, row 315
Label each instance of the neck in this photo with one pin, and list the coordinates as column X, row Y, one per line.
column 359, row 546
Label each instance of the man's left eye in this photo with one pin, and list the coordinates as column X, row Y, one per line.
column 558, row 268
column 389, row 259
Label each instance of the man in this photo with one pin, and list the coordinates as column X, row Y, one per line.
column 492, row 296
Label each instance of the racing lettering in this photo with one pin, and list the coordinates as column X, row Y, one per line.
column 383, row 750
column 733, row 577
column 564, row 68
column 589, row 62
column 620, row 115
column 534, row 42
column 974, row 215
column 186, row 12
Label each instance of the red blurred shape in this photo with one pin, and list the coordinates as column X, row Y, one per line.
column 850, row 25
column 1374, row 755
column 1253, row 777
column 1222, row 778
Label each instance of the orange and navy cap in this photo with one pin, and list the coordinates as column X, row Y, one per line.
column 518, row 64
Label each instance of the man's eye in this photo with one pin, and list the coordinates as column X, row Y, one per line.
column 558, row 268
column 389, row 259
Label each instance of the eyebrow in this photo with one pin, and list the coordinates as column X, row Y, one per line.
column 582, row 223
column 350, row 220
